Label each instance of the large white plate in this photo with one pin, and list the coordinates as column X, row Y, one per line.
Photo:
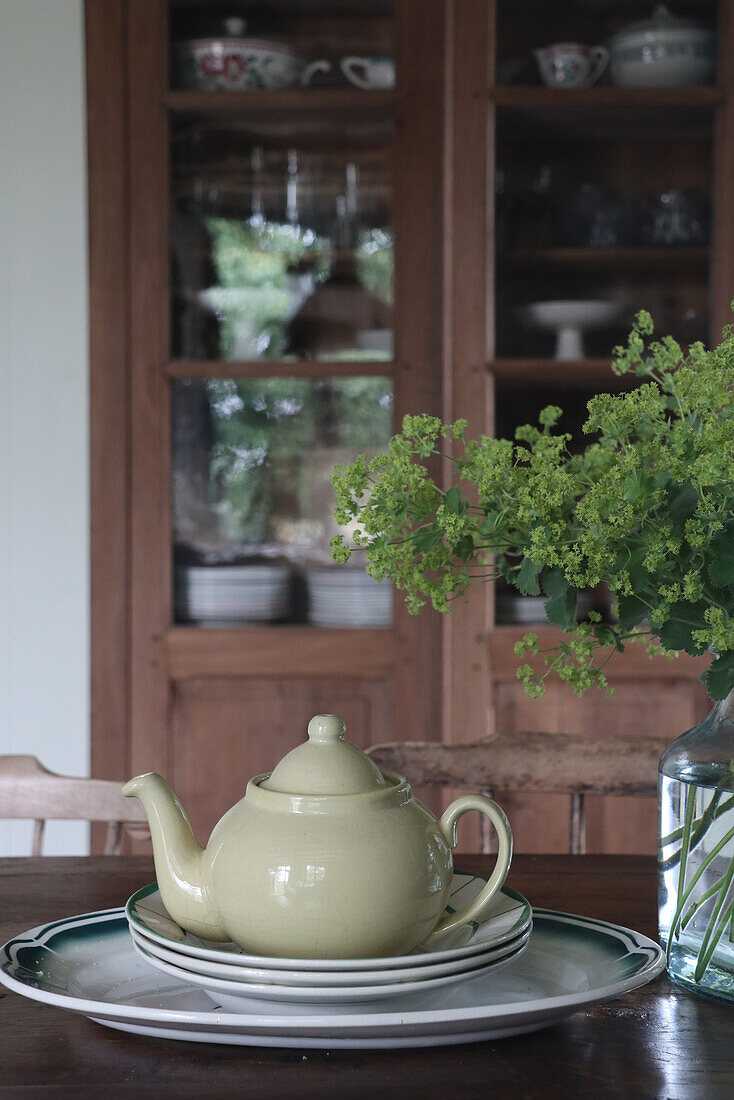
column 508, row 915
column 231, row 994
column 319, row 978
column 88, row 965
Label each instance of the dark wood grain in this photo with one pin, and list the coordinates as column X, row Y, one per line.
column 150, row 544
column 537, row 762
column 659, row 1041
column 109, row 390
column 420, row 312
column 722, row 274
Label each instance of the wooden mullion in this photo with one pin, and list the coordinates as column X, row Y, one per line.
column 418, row 210
column 150, row 523
column 722, row 267
column 467, row 712
column 105, row 28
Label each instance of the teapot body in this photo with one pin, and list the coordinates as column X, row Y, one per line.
column 325, row 857
column 334, row 876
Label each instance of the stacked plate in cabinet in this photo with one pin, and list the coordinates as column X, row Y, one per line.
column 226, row 595
column 230, row 976
column 347, row 597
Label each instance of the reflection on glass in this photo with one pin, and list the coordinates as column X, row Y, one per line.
column 278, row 252
column 253, row 503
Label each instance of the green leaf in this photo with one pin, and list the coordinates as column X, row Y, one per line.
column 464, row 548
column 426, row 539
column 526, row 579
column 631, row 612
column 721, row 569
column 719, row 679
column 454, row 501
column 682, row 504
column 685, row 617
column 488, row 525
column 631, row 561
column 561, row 606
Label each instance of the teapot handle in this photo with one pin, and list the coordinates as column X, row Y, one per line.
column 447, row 825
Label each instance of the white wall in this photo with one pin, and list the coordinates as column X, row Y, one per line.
column 44, row 555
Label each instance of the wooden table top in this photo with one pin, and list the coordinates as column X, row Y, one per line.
column 658, row 1041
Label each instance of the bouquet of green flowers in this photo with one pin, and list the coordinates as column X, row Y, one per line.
column 647, row 504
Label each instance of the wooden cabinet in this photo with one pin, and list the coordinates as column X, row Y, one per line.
column 262, row 260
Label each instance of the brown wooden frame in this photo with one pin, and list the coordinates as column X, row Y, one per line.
column 109, row 392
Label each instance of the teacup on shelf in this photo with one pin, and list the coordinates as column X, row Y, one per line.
column 369, row 72
column 571, row 64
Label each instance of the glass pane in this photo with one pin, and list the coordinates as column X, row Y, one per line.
column 281, row 247
column 284, row 44
column 253, row 504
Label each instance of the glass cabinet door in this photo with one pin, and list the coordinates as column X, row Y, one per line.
column 281, row 248
column 281, row 302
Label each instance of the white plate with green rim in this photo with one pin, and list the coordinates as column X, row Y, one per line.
column 231, row 994
column 508, row 916
column 88, row 965
column 320, row 978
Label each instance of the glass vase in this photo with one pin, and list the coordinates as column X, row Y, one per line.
column 696, row 855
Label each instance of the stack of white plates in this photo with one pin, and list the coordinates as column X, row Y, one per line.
column 224, row 595
column 347, row 597
column 228, row 975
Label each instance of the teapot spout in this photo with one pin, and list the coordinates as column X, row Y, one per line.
column 180, row 863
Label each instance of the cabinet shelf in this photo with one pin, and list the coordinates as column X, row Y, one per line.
column 280, row 368
column 561, row 372
column 293, row 100
column 527, row 112
column 633, row 664
column 309, row 118
column 607, row 259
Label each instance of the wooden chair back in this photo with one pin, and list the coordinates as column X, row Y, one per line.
column 28, row 790
column 532, row 763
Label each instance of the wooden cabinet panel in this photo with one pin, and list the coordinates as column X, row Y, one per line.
column 661, row 708
column 226, row 730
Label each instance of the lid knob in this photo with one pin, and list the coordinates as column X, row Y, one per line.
column 325, row 764
column 326, row 728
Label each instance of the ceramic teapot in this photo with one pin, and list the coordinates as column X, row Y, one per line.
column 324, row 857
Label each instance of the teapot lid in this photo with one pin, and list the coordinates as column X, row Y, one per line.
column 325, row 764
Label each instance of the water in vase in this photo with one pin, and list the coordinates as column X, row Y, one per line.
column 697, row 832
